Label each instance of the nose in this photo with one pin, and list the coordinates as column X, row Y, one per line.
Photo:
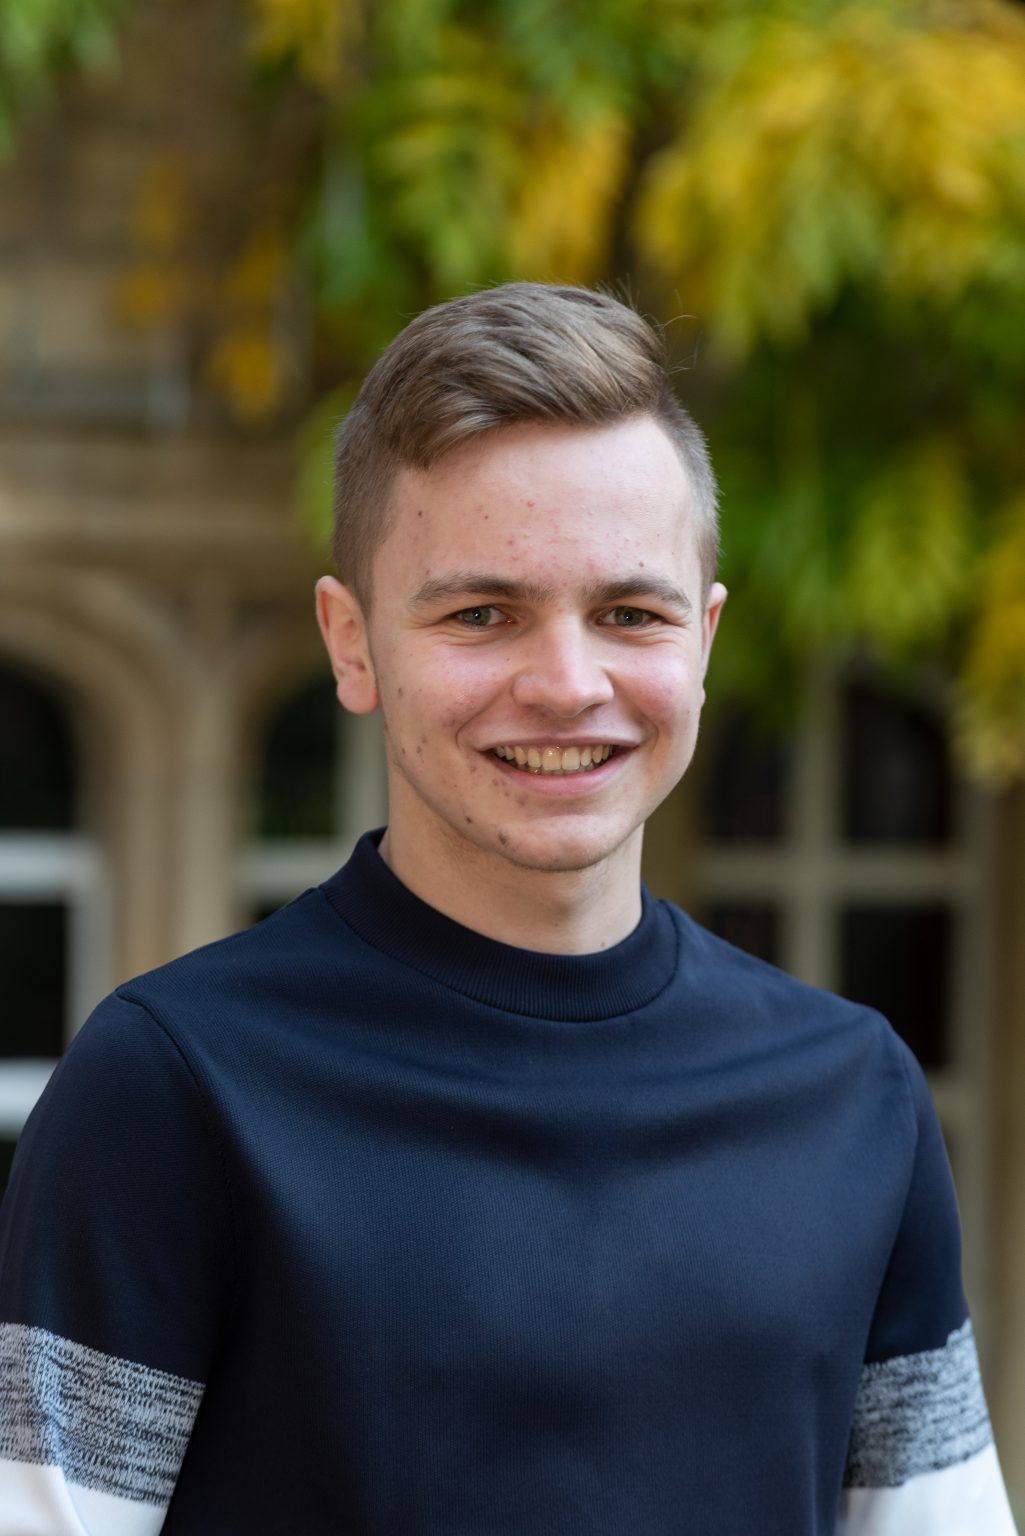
column 563, row 674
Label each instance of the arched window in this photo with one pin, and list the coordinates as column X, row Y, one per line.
column 300, row 791
column 320, row 783
column 52, row 911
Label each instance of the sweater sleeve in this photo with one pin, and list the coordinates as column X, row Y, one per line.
column 115, row 1251
column 921, row 1456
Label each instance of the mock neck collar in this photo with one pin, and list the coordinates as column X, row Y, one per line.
column 611, row 982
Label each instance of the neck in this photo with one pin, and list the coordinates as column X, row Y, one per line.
column 557, row 912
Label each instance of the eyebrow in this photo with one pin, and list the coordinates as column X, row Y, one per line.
column 466, row 583
column 479, row 583
column 640, row 585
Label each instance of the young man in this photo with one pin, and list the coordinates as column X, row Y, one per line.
column 475, row 1192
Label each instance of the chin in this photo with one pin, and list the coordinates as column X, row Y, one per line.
column 557, row 855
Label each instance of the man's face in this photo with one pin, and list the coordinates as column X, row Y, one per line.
column 537, row 643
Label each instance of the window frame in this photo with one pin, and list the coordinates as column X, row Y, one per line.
column 273, row 870
column 68, row 868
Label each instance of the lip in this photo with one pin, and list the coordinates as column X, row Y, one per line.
column 562, row 742
column 546, row 740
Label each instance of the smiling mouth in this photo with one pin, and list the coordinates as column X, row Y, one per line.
column 542, row 759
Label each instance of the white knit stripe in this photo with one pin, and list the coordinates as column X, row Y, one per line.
column 36, row 1501
column 968, row 1499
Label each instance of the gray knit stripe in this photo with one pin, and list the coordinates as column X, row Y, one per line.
column 918, row 1413
column 108, row 1424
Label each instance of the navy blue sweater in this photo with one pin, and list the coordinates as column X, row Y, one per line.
column 360, row 1222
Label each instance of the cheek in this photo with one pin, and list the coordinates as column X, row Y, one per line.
column 669, row 694
column 461, row 687
column 444, row 693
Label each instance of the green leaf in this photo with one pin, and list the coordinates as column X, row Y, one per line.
column 911, row 562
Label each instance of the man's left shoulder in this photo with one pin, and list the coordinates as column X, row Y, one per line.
column 751, row 996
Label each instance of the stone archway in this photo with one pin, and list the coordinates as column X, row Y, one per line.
column 72, row 630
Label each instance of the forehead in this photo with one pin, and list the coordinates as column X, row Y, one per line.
column 547, row 494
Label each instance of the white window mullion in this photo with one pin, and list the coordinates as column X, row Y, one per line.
column 65, row 868
column 812, row 955
column 273, row 870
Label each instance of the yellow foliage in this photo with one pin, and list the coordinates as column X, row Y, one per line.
column 990, row 718
column 250, row 371
column 863, row 148
column 254, row 278
column 160, row 218
column 315, row 33
column 573, row 174
column 161, row 285
column 250, row 362
column 150, row 295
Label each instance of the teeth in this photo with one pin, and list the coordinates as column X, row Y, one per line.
column 554, row 759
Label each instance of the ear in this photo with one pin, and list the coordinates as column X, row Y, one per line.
column 710, row 621
column 344, row 629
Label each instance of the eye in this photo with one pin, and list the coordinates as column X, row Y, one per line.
column 484, row 616
column 628, row 618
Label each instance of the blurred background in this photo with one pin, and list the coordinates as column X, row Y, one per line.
column 213, row 215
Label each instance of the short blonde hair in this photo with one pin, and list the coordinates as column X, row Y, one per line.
column 524, row 352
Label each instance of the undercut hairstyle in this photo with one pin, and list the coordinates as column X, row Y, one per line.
column 521, row 353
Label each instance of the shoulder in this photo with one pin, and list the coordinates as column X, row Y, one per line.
column 239, row 964
column 825, row 1048
column 283, row 967
column 740, row 981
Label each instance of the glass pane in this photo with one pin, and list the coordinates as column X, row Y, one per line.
column 751, row 925
column 896, row 770
column 36, row 758
column 265, row 909
column 6, row 1158
column 297, row 780
column 33, row 961
column 897, row 959
column 746, row 779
